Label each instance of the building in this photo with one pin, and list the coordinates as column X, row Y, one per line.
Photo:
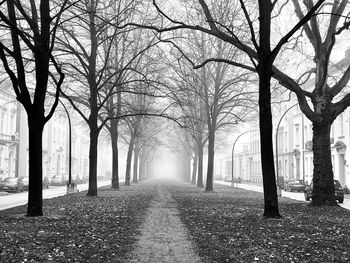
column 9, row 133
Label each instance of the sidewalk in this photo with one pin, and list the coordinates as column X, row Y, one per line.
column 163, row 237
column 292, row 195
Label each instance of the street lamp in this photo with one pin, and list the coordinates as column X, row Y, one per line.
column 70, row 185
column 233, row 149
column 278, row 125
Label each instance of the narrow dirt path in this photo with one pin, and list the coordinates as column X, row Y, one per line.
column 163, row 236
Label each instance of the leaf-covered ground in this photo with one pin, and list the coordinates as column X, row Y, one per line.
column 76, row 228
column 227, row 226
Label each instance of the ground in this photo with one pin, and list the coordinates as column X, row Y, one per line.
column 163, row 236
column 166, row 222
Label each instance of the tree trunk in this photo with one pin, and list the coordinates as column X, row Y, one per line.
column 92, row 191
column 115, row 160
column 35, row 197
column 264, row 70
column 136, row 159
column 128, row 159
column 210, row 170
column 323, row 192
column 141, row 165
column 200, row 166
column 187, row 162
column 194, row 167
column 267, row 160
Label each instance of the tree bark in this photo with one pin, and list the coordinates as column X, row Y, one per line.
column 194, row 167
column 35, row 197
column 264, row 69
column 136, row 159
column 200, row 166
column 92, row 190
column 188, row 169
column 141, row 166
column 115, row 156
column 128, row 159
column 210, row 170
column 267, row 160
column 323, row 192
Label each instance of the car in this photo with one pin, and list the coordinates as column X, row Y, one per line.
column 46, row 182
column 295, row 185
column 339, row 192
column 58, row 180
column 235, row 179
column 12, row 184
column 228, row 179
column 25, row 180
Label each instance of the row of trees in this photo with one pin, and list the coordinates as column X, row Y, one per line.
column 117, row 73
column 247, row 27
column 75, row 49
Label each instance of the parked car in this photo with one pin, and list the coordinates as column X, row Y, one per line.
column 295, row 185
column 339, row 192
column 235, row 179
column 46, row 182
column 58, row 180
column 228, row 179
column 12, row 184
column 25, row 180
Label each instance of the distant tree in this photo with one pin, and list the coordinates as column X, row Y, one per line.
column 26, row 50
column 187, row 95
column 126, row 67
column 261, row 55
column 226, row 96
column 89, row 44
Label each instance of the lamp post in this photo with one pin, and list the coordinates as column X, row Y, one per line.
column 233, row 149
column 276, row 137
column 69, row 185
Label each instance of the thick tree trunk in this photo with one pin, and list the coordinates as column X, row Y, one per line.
column 194, row 167
column 92, row 191
column 136, row 159
column 35, row 197
column 267, row 160
column 210, row 170
column 264, row 70
column 200, row 166
column 115, row 161
column 323, row 186
column 128, row 159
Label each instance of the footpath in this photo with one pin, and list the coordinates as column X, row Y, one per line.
column 163, row 237
column 291, row 195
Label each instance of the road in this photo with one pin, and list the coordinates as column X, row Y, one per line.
column 16, row 199
column 291, row 195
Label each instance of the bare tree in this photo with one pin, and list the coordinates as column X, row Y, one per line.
column 26, row 51
column 261, row 55
column 327, row 98
column 88, row 42
column 225, row 95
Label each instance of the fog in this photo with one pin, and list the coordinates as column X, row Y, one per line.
column 166, row 165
